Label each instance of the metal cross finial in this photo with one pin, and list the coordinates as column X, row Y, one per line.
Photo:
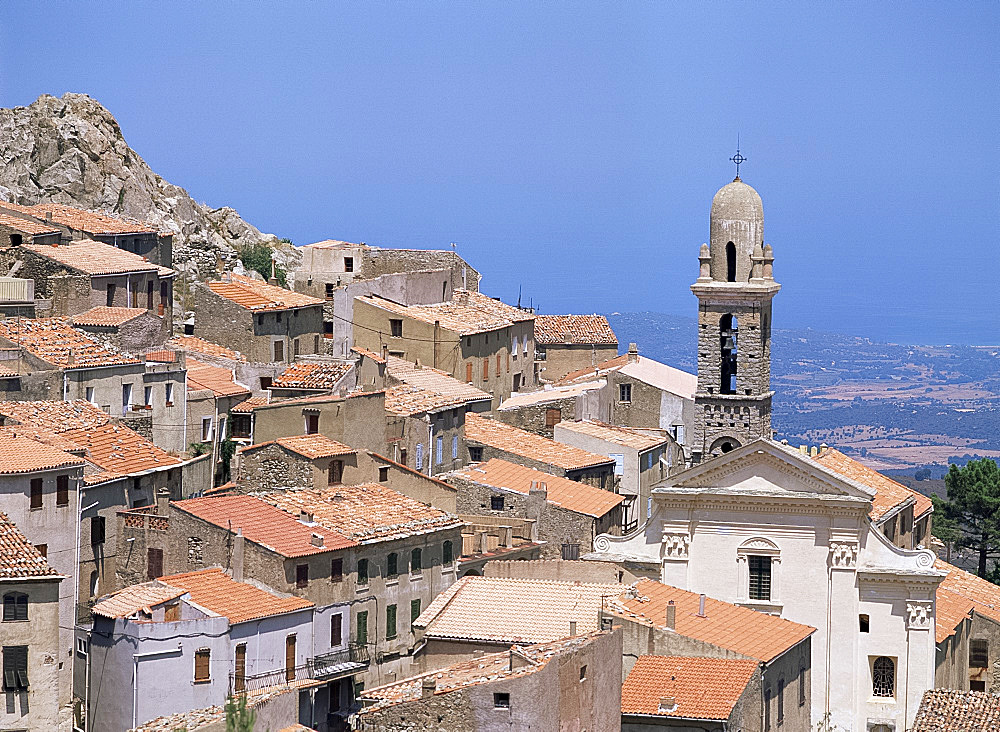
column 737, row 158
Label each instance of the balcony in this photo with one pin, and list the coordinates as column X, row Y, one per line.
column 325, row 667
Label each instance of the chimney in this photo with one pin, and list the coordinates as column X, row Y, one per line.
column 633, row 353
column 48, row 215
column 823, row 448
column 316, row 539
column 804, row 449
column 572, row 627
column 70, row 357
column 385, row 351
column 305, row 517
column 238, row 543
column 416, row 364
column 701, row 605
column 812, row 451
column 672, row 615
column 427, row 687
column 668, row 703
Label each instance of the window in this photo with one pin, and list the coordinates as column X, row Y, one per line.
column 475, row 454
column 295, row 343
column 454, row 448
column 730, row 262
column 979, row 651
column 222, row 429
column 625, row 392
column 301, row 575
column 553, row 416
column 111, row 295
column 570, row 551
column 383, row 473
column 43, row 549
column 362, row 629
column 402, row 456
column 97, row 530
column 329, row 291
column 619, row 458
column 392, row 566
column 416, row 561
column 513, row 346
column 240, row 675
column 728, row 335
column 312, row 424
column 420, row 456
column 439, row 450
column 362, row 571
column 396, row 328
column 154, row 563
column 36, row 493
column 781, row 701
column 414, row 611
column 327, row 331
column 348, row 264
column 883, row 677
column 90, row 395
column 468, row 372
column 802, row 686
column 202, row 665
column 168, row 395
column 147, row 396
column 316, row 344
column 390, row 622
column 583, row 673
column 172, row 612
column 206, row 429
column 498, row 364
column 890, row 529
column 336, row 629
column 336, row 570
column 15, row 607
column 501, row 701
column 265, row 382
column 767, row 710
column 279, row 350
column 126, row 397
column 977, row 685
column 760, row 577
column 496, row 503
column 335, row 473
column 62, row 490
column 290, row 657
column 863, row 623
column 82, row 647
column 277, row 317
column 486, row 369
column 15, row 668
column 447, row 553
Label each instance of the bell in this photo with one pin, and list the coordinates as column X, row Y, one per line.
column 728, row 344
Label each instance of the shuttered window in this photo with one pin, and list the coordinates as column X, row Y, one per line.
column 336, row 630
column 15, row 606
column 390, row 622
column 202, row 665
column 760, row 577
column 15, row 668
column 62, row 490
column 36, row 493
column 154, row 563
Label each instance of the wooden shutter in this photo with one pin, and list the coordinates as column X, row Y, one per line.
column 154, row 563
column 172, row 613
column 241, row 667
column 336, row 630
column 202, row 664
column 468, row 372
column 36, row 493
column 62, row 490
column 290, row 658
column 302, row 575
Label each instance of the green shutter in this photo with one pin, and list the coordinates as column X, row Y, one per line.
column 390, row 621
column 363, row 628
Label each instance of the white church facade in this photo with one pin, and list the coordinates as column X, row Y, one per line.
column 760, row 524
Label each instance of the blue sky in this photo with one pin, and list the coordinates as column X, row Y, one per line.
column 572, row 149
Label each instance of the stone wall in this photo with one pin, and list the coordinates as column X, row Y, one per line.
column 272, row 467
column 532, row 417
column 558, row 569
column 560, row 359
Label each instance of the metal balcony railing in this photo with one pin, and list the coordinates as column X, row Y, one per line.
column 326, row 666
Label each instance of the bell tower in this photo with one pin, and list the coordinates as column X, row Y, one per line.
column 734, row 290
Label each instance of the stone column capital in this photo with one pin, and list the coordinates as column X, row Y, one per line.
column 919, row 614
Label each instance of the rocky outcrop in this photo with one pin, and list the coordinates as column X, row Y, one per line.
column 71, row 151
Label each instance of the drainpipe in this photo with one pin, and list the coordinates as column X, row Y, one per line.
column 76, row 570
column 430, row 447
column 136, row 657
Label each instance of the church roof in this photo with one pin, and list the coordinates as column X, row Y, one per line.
column 889, row 494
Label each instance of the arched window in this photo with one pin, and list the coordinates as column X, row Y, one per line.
column 15, row 606
column 883, row 677
column 728, row 333
column 730, row 262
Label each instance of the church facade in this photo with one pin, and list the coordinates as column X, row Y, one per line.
column 766, row 526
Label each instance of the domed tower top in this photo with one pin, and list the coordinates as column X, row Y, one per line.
column 736, row 232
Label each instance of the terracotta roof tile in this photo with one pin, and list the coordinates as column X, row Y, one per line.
column 57, row 342
column 510, row 439
column 954, row 710
column 950, row 610
column 332, row 244
column 955, row 592
column 588, row 330
column 624, row 436
column 569, row 494
column 105, row 316
column 248, row 405
column 548, row 394
column 502, row 610
column 368, row 354
column 196, row 719
column 20, row 454
column 660, row 375
column 259, row 402
column 264, row 524
column 406, row 400
column 260, row 296
column 311, row 447
column 216, row 591
column 216, row 379
column 702, row 688
column 467, row 313
column 888, row 493
column 601, row 369
column 366, row 513
column 26, row 226
column 433, row 380
column 312, row 375
column 136, row 598
column 92, row 222
column 745, row 631
column 119, row 450
column 18, row 556
column 97, row 258
column 55, row 416
column 200, row 345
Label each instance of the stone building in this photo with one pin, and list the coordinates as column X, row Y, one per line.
column 136, row 237
column 967, row 613
column 641, row 461
column 17, row 230
column 565, row 343
column 38, row 695
column 489, row 438
column 659, row 621
column 427, row 426
column 264, row 322
column 130, row 329
column 568, row 515
column 541, row 411
column 211, row 395
column 475, row 338
column 306, row 377
column 576, row 678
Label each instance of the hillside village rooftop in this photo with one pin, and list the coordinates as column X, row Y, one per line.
column 311, row 447
column 574, row 330
column 311, row 375
column 90, row 222
column 19, row 558
column 432, row 379
column 56, row 341
column 699, row 688
column 467, row 313
column 256, row 295
column 104, row 316
column 646, row 370
column 527, row 444
column 624, row 436
column 200, row 346
column 96, row 258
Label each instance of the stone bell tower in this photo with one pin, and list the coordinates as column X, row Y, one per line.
column 734, row 290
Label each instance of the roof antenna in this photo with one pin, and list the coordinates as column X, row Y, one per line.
column 737, row 158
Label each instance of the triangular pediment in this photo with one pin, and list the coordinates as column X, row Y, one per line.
column 765, row 467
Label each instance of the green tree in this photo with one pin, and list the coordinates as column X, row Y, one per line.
column 238, row 717
column 970, row 516
column 258, row 258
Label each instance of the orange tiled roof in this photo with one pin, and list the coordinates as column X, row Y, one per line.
column 216, row 591
column 264, row 524
column 110, row 317
column 97, row 258
column 26, row 226
column 18, row 556
column 91, row 222
column 311, row 447
column 625, row 436
column 258, row 296
column 612, row 364
column 888, row 493
column 216, row 379
column 200, row 345
column 248, row 405
column 119, row 450
column 503, row 610
column 569, row 494
column 950, row 609
column 434, row 380
column 505, row 437
column 368, row 354
column 55, row 416
column 553, row 330
column 366, row 513
column 405, row 400
column 702, row 688
column 956, row 592
column 128, row 601
column 954, row 710
column 739, row 629
column 55, row 341
column 258, row 402
column 312, row 375
column 21, row 454
column 467, row 313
